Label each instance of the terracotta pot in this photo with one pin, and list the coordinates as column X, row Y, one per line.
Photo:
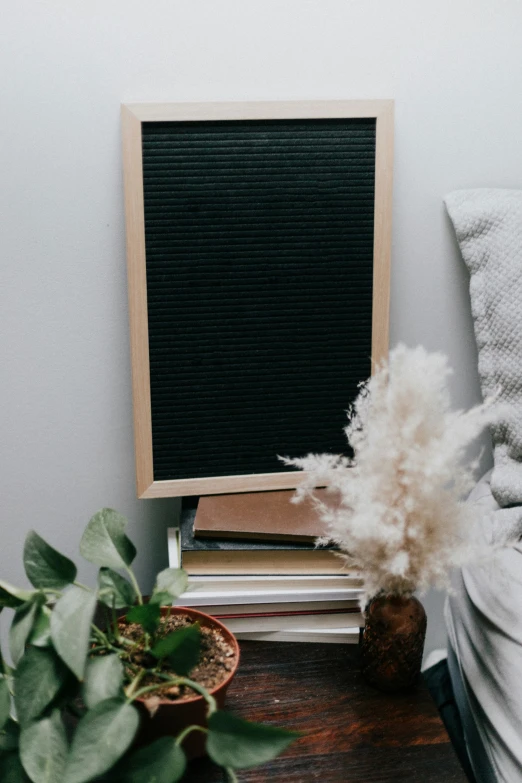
column 392, row 642
column 172, row 717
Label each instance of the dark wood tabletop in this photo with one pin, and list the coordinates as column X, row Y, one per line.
column 353, row 732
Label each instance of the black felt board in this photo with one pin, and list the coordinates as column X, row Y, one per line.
column 259, row 255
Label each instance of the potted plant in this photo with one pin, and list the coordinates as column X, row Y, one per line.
column 395, row 508
column 87, row 699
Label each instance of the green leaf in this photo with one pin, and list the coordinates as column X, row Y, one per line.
column 181, row 647
column 45, row 567
column 71, row 621
column 103, row 680
column 236, row 743
column 173, row 581
column 147, row 615
column 38, row 678
column 101, row 738
column 21, row 627
column 9, row 737
column 160, row 762
column 43, row 749
column 104, row 542
column 5, row 702
column 41, row 633
column 161, row 599
column 13, row 597
column 114, row 590
column 11, row 770
column 4, row 666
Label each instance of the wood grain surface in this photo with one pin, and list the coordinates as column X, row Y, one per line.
column 353, row 732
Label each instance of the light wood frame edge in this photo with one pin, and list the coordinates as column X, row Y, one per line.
column 133, row 115
column 382, row 232
column 137, row 287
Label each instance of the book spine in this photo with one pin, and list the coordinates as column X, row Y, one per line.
column 302, row 635
column 276, row 623
column 224, row 615
column 265, row 597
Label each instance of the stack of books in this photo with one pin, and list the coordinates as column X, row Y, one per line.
column 253, row 564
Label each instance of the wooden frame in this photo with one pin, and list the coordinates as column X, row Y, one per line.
column 133, row 117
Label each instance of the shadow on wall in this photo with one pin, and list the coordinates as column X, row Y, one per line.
column 148, row 524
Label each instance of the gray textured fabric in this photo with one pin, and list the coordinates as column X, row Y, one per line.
column 484, row 622
column 484, row 611
column 488, row 225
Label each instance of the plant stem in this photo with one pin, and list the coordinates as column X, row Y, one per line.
column 212, row 706
column 134, row 684
column 231, row 775
column 116, row 630
column 84, row 587
column 187, row 731
column 100, row 635
column 106, row 643
column 108, row 629
column 135, row 584
column 128, row 642
column 97, row 648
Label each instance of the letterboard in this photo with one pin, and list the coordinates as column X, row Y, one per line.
column 259, row 276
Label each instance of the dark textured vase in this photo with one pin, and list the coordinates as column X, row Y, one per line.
column 393, row 642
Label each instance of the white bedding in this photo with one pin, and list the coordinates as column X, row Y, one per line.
column 484, row 621
column 484, row 615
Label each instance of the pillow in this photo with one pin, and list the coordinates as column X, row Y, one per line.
column 488, row 224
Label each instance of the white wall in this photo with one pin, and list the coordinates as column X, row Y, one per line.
column 455, row 71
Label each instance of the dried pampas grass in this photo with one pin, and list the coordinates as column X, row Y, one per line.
column 396, row 509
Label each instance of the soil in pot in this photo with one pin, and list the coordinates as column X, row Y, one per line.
column 217, row 658
column 167, row 711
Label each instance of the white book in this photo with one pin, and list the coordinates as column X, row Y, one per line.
column 309, row 593
column 317, row 635
column 205, row 591
column 259, row 582
column 222, row 582
column 277, row 623
column 174, row 547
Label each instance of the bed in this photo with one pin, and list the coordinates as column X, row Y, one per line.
column 484, row 610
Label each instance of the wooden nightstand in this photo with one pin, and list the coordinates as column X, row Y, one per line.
column 354, row 734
